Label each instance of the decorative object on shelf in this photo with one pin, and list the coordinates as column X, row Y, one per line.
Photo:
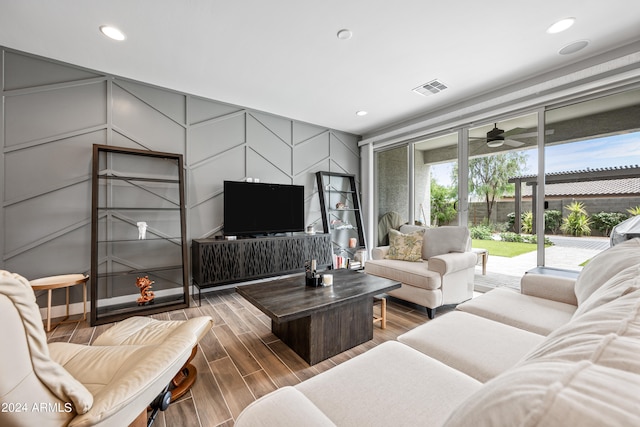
column 310, row 230
column 360, row 256
column 133, row 189
column 341, row 215
column 142, row 230
column 146, row 294
column 311, row 276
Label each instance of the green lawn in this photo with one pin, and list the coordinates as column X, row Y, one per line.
column 505, row 249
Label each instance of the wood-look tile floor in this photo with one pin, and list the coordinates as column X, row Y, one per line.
column 240, row 360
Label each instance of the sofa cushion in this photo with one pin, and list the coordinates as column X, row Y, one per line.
column 479, row 347
column 608, row 335
column 452, row 262
column 605, row 265
column 389, row 385
column 285, row 407
column 407, row 247
column 537, row 315
column 554, row 394
column 553, row 284
column 585, row 373
column 442, row 240
column 411, row 273
column 408, row 228
column 628, row 280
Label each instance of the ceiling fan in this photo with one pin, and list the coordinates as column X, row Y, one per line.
column 497, row 137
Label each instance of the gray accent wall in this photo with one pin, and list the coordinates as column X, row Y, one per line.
column 52, row 115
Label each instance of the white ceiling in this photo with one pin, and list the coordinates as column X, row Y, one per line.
column 283, row 56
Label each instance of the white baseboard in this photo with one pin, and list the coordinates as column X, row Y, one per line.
column 76, row 308
column 61, row 310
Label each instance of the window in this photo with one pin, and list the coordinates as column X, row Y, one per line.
column 435, row 181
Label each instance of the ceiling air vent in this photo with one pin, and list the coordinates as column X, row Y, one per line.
column 430, row 88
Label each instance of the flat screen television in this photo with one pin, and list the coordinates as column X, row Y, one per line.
column 257, row 208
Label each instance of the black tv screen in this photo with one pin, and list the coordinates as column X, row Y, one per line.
column 254, row 208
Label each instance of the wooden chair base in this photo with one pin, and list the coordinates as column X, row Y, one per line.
column 183, row 380
column 140, row 421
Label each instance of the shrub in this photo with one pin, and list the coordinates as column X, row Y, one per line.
column 634, row 211
column 577, row 223
column 552, row 220
column 527, row 222
column 481, row 232
column 523, row 238
column 511, row 220
column 511, row 237
column 605, row 221
column 500, row 227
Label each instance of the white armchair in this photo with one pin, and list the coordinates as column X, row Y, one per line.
column 64, row 384
column 443, row 276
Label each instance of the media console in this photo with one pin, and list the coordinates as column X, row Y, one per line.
column 217, row 262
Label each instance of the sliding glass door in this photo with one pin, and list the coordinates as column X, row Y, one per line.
column 587, row 160
column 592, row 153
column 392, row 191
column 501, row 213
column 435, row 181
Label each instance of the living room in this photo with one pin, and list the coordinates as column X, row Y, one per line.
column 54, row 110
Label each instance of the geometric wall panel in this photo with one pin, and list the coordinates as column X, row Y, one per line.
column 280, row 127
column 38, row 217
column 32, row 172
column 305, row 131
column 201, row 110
column 38, row 115
column 263, row 141
column 145, row 124
column 263, row 169
column 68, row 252
column 311, row 151
column 213, row 137
column 47, row 145
column 119, row 140
column 171, row 104
column 207, row 217
column 344, row 156
column 206, row 179
column 25, row 71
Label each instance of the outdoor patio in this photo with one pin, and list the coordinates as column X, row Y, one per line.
column 567, row 252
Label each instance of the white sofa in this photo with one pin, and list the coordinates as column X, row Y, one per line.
column 564, row 352
column 444, row 275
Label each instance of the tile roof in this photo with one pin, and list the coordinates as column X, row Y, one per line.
column 611, row 187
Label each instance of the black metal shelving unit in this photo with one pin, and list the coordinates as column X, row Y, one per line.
column 342, row 214
column 131, row 186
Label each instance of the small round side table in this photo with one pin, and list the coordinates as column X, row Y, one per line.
column 63, row 281
column 483, row 255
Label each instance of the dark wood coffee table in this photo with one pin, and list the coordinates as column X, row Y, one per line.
column 318, row 323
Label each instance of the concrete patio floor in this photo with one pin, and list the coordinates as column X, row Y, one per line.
column 567, row 253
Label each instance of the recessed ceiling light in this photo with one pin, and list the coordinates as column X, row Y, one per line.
column 344, row 34
column 112, row 32
column 361, row 113
column 561, row 25
column 573, row 47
